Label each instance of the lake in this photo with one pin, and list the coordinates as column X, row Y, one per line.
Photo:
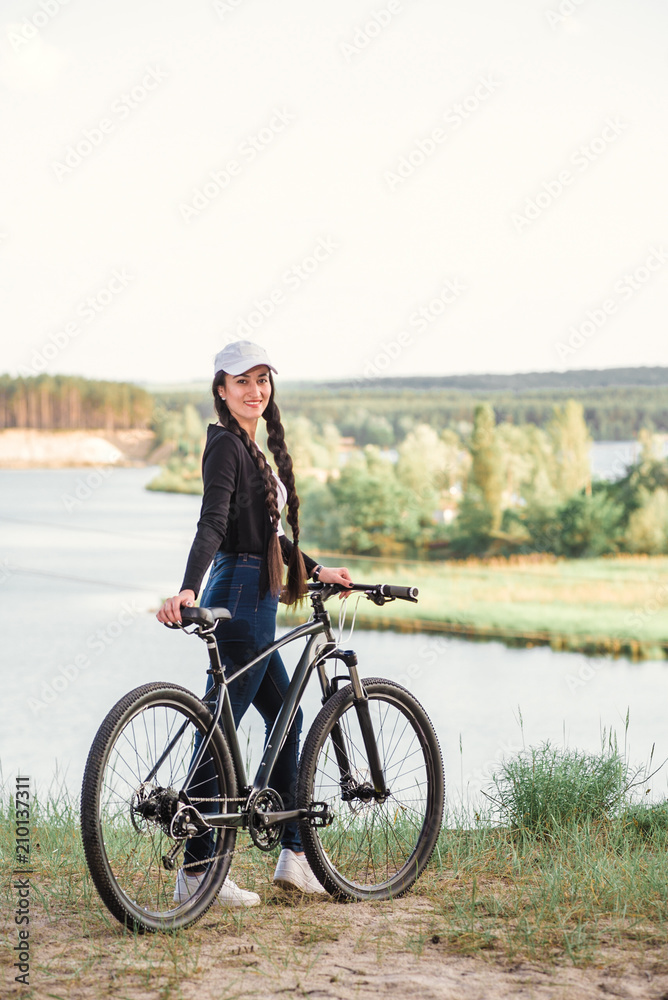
column 86, row 558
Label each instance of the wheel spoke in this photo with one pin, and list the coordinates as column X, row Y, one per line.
column 373, row 848
column 126, row 837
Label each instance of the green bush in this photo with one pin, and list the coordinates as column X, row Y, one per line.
column 178, row 475
column 589, row 525
column 545, row 788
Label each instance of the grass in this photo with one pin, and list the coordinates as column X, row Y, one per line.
column 613, row 606
column 566, row 897
column 574, row 875
column 647, row 821
column 546, row 789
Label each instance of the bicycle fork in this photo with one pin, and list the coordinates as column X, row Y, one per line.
column 352, row 788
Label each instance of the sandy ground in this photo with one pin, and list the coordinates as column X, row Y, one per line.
column 311, row 949
column 26, row 449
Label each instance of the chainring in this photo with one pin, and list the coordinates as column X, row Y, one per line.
column 263, row 833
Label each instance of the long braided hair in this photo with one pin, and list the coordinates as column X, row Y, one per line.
column 295, row 587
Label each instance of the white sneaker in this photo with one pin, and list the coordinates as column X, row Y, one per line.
column 229, row 893
column 294, row 872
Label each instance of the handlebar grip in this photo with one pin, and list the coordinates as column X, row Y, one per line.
column 403, row 593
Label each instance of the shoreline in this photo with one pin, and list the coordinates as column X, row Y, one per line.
column 592, row 645
column 613, row 606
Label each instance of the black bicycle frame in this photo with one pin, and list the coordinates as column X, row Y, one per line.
column 313, row 657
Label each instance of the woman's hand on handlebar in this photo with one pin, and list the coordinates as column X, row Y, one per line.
column 170, row 612
column 338, row 574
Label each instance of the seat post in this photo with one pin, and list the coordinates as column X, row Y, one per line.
column 214, row 655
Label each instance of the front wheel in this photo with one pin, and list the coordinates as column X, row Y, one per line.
column 131, row 808
column 376, row 846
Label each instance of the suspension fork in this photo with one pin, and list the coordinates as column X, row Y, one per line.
column 361, row 703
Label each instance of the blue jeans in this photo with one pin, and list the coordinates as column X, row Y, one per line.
column 234, row 584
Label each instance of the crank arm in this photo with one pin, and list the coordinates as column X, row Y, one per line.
column 320, row 813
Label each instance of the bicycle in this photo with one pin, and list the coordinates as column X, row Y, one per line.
column 370, row 785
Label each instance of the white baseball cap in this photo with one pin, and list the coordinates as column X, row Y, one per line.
column 240, row 357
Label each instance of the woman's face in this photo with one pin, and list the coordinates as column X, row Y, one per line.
column 247, row 395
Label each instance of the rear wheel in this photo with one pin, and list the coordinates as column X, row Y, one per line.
column 375, row 848
column 131, row 814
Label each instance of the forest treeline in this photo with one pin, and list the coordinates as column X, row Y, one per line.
column 580, row 378
column 67, row 402
column 617, row 402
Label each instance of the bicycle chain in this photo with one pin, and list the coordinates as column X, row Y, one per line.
column 215, row 798
column 198, row 864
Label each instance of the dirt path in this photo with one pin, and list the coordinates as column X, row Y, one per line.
column 314, row 949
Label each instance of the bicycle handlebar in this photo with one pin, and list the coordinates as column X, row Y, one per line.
column 381, row 591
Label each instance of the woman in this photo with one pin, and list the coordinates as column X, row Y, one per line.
column 240, row 530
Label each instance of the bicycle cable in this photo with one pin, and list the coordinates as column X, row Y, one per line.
column 342, row 620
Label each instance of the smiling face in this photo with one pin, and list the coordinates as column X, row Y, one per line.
column 247, row 396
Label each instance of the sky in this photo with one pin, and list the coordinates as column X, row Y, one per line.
column 404, row 187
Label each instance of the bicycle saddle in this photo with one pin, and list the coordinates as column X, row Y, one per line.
column 204, row 616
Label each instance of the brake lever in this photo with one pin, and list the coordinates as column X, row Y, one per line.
column 378, row 599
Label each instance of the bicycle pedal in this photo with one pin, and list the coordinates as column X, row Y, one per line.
column 320, row 814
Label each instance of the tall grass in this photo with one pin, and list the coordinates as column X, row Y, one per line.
column 547, row 788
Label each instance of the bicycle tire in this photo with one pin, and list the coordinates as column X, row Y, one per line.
column 373, row 850
column 123, row 848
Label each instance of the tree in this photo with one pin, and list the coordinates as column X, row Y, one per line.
column 375, row 513
column 647, row 529
column 69, row 402
column 310, row 449
column 589, row 525
column 647, row 475
column 332, row 444
column 651, row 449
column 422, row 465
column 319, row 517
column 300, row 433
column 487, row 472
column 377, row 430
column 457, row 460
column 518, row 462
column 571, row 442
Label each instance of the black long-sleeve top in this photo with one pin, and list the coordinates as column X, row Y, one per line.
column 234, row 515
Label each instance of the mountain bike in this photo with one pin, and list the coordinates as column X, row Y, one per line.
column 166, row 765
